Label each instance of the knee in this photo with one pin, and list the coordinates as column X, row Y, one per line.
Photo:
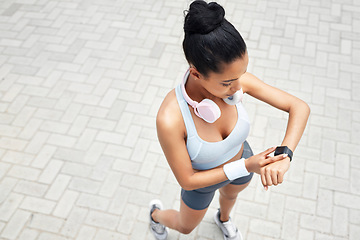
column 186, row 229
column 229, row 196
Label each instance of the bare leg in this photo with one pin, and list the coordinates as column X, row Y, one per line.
column 227, row 199
column 183, row 221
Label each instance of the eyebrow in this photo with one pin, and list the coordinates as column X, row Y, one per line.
column 230, row 80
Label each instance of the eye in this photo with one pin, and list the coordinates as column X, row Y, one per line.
column 226, row 84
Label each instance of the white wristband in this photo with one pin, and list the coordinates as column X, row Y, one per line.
column 235, row 169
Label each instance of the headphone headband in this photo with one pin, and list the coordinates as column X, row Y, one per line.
column 186, row 96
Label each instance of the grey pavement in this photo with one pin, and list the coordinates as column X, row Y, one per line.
column 80, row 85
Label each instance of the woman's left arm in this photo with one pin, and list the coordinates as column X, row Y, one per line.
column 298, row 110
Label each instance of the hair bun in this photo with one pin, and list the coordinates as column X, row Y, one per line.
column 203, row 17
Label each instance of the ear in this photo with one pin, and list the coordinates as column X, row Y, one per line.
column 195, row 73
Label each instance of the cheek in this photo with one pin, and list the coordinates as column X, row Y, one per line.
column 217, row 89
column 220, row 91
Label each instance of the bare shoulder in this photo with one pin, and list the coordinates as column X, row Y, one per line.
column 248, row 81
column 268, row 94
column 169, row 118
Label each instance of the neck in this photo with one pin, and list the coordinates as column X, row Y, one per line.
column 196, row 91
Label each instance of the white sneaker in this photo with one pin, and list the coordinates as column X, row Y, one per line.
column 228, row 229
column 158, row 230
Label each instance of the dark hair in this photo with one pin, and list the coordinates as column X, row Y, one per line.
column 210, row 40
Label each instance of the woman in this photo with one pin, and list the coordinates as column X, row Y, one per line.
column 204, row 138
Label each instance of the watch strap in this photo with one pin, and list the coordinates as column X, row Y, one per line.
column 283, row 150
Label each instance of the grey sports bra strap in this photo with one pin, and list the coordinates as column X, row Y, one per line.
column 185, row 111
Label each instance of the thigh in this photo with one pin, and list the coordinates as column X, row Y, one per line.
column 231, row 190
column 190, row 218
column 201, row 198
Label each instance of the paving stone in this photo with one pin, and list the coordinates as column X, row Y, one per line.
column 354, row 232
column 36, row 143
column 46, row 223
column 104, row 234
column 31, row 188
column 340, row 227
column 311, row 186
column 74, row 222
column 23, row 172
column 37, row 205
column 325, row 203
column 9, row 206
column 102, row 220
column 62, row 140
column 65, row 204
column 51, row 171
column 315, row 223
column 45, row 235
column 290, row 225
column 29, row 234
column 306, row 234
column 92, row 202
column 58, row 187
column 265, row 228
column 18, row 158
column 15, row 225
column 346, row 200
column 86, row 232
column 84, row 185
column 110, row 184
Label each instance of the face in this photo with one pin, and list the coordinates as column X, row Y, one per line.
column 225, row 84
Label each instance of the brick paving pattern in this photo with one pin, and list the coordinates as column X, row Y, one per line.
column 80, row 85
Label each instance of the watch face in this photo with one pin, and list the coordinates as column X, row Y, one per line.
column 279, row 150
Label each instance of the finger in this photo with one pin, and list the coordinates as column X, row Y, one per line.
column 268, row 177
column 268, row 151
column 280, row 177
column 263, row 179
column 274, row 177
column 279, row 157
column 273, row 159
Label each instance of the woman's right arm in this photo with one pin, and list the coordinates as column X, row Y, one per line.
column 171, row 135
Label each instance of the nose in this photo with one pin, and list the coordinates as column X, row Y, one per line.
column 236, row 85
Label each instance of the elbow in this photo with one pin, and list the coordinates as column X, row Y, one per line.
column 187, row 185
column 187, row 188
column 302, row 107
column 307, row 109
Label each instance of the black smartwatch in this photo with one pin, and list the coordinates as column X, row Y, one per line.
column 283, row 150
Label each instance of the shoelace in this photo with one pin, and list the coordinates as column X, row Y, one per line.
column 230, row 228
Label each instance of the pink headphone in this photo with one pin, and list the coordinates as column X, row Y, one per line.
column 207, row 109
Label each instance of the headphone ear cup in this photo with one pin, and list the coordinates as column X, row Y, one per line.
column 208, row 110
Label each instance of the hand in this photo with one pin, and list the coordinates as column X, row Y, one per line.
column 273, row 174
column 257, row 162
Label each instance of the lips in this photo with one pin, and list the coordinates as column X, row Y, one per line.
column 229, row 95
